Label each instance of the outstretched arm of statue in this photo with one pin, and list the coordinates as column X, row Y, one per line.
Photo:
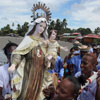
column 15, row 62
column 64, row 48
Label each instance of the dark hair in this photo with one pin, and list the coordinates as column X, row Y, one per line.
column 51, row 32
column 6, row 48
column 71, row 49
column 33, row 29
column 76, row 83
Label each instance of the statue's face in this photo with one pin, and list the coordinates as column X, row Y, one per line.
column 40, row 27
column 53, row 35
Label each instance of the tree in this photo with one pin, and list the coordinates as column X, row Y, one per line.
column 64, row 23
column 97, row 30
column 58, row 26
column 88, row 31
column 67, row 30
column 6, row 30
column 74, row 30
column 51, row 25
column 13, row 24
column 84, row 31
column 24, row 28
column 21, row 30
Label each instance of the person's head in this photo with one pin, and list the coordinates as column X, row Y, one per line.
column 77, row 43
column 52, row 34
column 67, row 89
column 76, row 47
column 8, row 49
column 72, row 50
column 88, row 65
column 84, row 49
column 39, row 27
column 95, row 49
column 98, row 49
column 82, row 53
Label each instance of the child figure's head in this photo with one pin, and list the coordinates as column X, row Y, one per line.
column 52, row 34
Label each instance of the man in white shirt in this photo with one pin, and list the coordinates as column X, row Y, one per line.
column 5, row 89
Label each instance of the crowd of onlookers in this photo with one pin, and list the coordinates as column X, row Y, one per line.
column 73, row 72
column 82, row 62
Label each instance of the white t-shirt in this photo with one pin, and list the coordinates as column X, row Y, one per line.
column 4, row 79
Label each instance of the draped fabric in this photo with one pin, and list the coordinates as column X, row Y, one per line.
column 33, row 75
column 27, row 79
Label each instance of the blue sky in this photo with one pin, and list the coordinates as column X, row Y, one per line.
column 79, row 13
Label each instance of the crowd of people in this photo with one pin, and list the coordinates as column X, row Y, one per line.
column 36, row 71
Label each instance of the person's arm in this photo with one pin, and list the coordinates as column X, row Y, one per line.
column 58, row 68
column 97, row 97
column 61, row 69
column 70, row 66
column 1, row 97
column 1, row 84
column 15, row 61
column 65, row 59
column 98, row 89
column 49, row 92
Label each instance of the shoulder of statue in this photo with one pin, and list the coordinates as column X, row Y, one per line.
column 35, row 38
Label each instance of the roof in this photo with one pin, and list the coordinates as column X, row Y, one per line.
column 92, row 36
column 66, row 34
column 76, row 33
column 70, row 36
column 79, row 37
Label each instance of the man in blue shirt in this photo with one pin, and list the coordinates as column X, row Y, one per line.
column 75, row 61
column 58, row 68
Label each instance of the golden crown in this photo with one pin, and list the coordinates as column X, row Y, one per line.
column 46, row 14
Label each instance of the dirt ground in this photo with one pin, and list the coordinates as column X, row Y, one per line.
column 5, row 39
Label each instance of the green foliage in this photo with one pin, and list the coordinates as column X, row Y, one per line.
column 21, row 30
column 84, row 31
column 64, row 23
column 60, row 26
column 51, row 25
column 97, row 30
column 6, row 30
column 67, row 30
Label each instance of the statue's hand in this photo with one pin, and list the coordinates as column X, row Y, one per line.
column 49, row 57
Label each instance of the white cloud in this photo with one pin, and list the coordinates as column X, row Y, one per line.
column 19, row 11
column 83, row 14
column 13, row 11
column 87, row 11
column 54, row 4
